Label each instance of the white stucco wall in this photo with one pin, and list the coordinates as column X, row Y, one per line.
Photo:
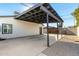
column 78, row 31
column 20, row 28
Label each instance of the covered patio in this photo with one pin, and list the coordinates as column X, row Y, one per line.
column 42, row 13
column 25, row 46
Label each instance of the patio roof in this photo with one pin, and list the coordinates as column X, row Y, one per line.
column 38, row 14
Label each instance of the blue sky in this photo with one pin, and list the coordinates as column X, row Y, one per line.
column 63, row 9
column 9, row 8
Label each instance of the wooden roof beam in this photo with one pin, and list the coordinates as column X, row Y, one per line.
column 49, row 13
column 39, row 4
column 33, row 14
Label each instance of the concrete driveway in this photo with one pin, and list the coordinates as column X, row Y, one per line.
column 27, row 46
column 67, row 46
column 36, row 46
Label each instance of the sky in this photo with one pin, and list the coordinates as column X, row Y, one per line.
column 63, row 9
column 7, row 9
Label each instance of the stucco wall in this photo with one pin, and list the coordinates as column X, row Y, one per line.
column 78, row 31
column 20, row 28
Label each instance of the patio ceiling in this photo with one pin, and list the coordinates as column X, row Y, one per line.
column 38, row 14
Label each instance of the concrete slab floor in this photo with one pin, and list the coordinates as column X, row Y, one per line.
column 24, row 46
column 63, row 47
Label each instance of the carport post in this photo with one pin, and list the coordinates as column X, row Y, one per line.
column 57, row 31
column 47, row 30
column 61, row 28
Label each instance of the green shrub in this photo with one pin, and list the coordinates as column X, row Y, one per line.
column 76, row 15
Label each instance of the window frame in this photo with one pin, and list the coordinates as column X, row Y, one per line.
column 11, row 28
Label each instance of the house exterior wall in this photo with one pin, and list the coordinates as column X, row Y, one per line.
column 20, row 28
column 78, row 31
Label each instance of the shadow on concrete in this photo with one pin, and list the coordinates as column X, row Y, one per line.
column 61, row 48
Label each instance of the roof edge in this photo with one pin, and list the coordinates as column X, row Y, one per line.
column 8, row 16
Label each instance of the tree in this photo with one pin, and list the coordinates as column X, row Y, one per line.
column 76, row 15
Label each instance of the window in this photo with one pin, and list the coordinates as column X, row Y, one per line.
column 6, row 28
